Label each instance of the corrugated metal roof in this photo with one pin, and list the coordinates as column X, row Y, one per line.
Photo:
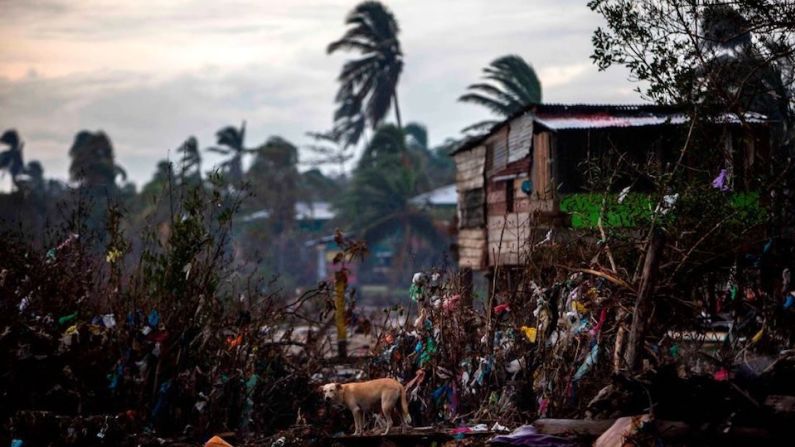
column 594, row 116
column 606, row 120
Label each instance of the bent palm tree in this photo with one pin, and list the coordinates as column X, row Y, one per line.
column 191, row 162
column 11, row 159
column 231, row 142
column 511, row 85
column 368, row 85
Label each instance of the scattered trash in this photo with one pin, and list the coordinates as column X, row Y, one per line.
column 527, row 435
column 217, row 441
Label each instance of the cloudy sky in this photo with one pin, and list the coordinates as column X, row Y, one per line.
column 152, row 72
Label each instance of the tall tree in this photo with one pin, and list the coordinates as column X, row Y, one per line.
column 368, row 85
column 93, row 162
column 378, row 205
column 191, row 161
column 231, row 143
column 274, row 177
column 11, row 159
column 510, row 84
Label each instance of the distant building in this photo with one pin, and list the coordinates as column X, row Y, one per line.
column 311, row 216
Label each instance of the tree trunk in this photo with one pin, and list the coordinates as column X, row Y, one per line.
column 397, row 109
column 640, row 315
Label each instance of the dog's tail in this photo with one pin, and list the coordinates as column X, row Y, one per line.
column 404, row 405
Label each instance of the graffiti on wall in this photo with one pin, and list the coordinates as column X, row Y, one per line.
column 636, row 209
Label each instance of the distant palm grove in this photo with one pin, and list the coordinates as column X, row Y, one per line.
column 291, row 198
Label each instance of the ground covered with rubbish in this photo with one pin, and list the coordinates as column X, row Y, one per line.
column 539, row 365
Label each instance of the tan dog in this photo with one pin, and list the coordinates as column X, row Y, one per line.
column 360, row 397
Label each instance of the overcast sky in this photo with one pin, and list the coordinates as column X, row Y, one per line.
column 152, row 72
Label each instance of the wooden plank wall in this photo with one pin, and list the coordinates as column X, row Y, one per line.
column 508, row 238
column 508, row 233
column 499, row 146
column 472, row 248
column 543, row 188
column 520, row 138
column 470, row 167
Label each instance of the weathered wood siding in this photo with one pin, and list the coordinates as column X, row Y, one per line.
column 520, row 138
column 470, row 174
column 472, row 248
column 543, row 169
column 508, row 236
column 497, row 145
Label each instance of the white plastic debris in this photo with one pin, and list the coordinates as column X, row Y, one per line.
column 623, row 194
column 109, row 321
column 497, row 427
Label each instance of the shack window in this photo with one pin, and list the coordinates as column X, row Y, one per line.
column 509, row 196
column 472, row 208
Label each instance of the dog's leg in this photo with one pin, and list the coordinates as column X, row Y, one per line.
column 357, row 421
column 387, row 409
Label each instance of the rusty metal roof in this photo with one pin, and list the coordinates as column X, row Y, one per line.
column 599, row 116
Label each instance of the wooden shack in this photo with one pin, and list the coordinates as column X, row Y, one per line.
column 511, row 181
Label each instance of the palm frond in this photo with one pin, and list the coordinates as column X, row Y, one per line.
column 490, row 103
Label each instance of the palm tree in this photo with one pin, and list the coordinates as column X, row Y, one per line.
column 330, row 148
column 11, row 159
column 231, row 143
column 368, row 85
column 93, row 162
column 510, row 85
column 274, row 178
column 191, row 162
column 378, row 205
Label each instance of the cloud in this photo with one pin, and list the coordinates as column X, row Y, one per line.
column 152, row 73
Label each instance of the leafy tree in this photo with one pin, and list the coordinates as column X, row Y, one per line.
column 510, row 85
column 11, row 158
column 709, row 58
column 93, row 162
column 159, row 181
column 368, row 85
column 231, row 143
column 315, row 186
column 273, row 178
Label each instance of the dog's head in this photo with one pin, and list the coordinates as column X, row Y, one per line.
column 331, row 391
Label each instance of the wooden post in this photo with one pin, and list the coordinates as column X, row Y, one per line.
column 640, row 315
column 340, row 284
